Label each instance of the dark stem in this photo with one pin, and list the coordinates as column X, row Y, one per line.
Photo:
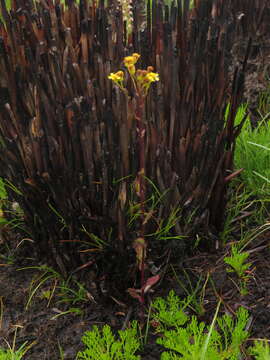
column 141, row 131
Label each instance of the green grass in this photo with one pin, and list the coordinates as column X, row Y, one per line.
column 3, row 193
column 3, row 196
column 11, row 353
column 252, row 153
column 248, row 205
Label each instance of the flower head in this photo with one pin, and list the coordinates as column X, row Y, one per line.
column 116, row 77
column 136, row 56
column 152, row 77
column 141, row 79
column 130, row 61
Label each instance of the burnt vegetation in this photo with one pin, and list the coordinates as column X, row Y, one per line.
column 68, row 140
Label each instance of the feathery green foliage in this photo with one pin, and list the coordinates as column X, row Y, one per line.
column 237, row 261
column 102, row 345
column 260, row 350
column 187, row 336
column 238, row 264
column 168, row 313
column 183, row 336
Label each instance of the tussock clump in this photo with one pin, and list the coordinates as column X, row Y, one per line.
column 69, row 142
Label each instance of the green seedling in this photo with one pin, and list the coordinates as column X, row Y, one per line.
column 168, row 313
column 103, row 345
column 260, row 350
column 188, row 339
column 238, row 264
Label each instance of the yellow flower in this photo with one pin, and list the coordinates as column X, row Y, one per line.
column 152, row 77
column 131, row 60
column 120, row 75
column 136, row 56
column 116, row 77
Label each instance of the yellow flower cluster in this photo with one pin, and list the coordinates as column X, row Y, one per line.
column 142, row 79
column 152, row 77
column 130, row 61
column 116, row 77
column 147, row 76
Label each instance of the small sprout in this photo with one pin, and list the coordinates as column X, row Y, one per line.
column 238, row 264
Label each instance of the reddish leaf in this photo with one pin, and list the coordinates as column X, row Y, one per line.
column 135, row 294
column 150, row 282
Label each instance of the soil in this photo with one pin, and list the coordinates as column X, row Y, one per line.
column 38, row 324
